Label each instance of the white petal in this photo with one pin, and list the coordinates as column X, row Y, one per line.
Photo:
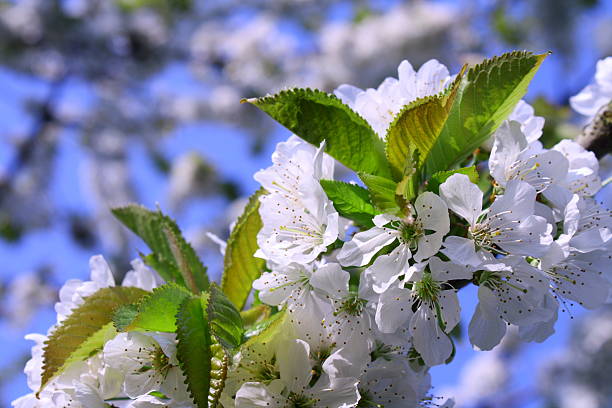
column 432, row 212
column 347, row 93
column 294, row 364
column 519, row 199
column 101, row 272
column 394, row 309
column 462, row 196
column 255, row 395
column 429, row 340
column 331, row 279
column 380, row 220
column 428, row 245
column 445, row 271
column 364, row 245
column 386, row 268
column 540, row 331
column 450, row 309
column 461, row 251
column 509, row 143
column 431, row 78
column 274, row 287
column 339, row 392
column 486, row 330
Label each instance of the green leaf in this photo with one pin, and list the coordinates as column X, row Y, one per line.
column 441, row 176
column 351, row 201
column 382, row 192
column 155, row 312
column 225, row 320
column 316, row 116
column 416, row 128
column 487, row 95
column 85, row 330
column 193, row 348
column 124, row 316
column 241, row 267
column 173, row 258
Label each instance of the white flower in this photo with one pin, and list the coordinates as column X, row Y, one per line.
column 74, row 291
column 352, row 321
column 531, row 125
column 302, row 288
column 586, row 225
column 431, row 215
column 254, row 363
column 598, row 93
column 292, row 389
column 379, row 106
column 508, row 226
column 512, row 159
column 583, row 175
column 148, row 362
column 510, row 290
column 429, row 301
column 299, row 221
column 539, row 331
column 83, row 384
column 392, row 384
column 577, row 276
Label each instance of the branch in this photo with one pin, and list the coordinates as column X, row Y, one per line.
column 597, row 135
column 41, row 123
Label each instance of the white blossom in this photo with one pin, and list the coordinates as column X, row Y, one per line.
column 430, row 301
column 148, row 362
column 293, row 389
column 598, row 93
column 510, row 290
column 411, row 232
column 513, row 159
column 299, row 221
column 379, row 106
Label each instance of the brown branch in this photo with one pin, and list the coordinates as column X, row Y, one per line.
column 597, row 135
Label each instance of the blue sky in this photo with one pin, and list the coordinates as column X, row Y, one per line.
column 227, row 149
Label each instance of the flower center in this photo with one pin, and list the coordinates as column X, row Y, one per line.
column 367, row 400
column 319, row 358
column 352, row 305
column 301, row 401
column 411, row 232
column 159, row 362
column 494, row 281
column 382, row 350
column 266, row 371
column 427, row 288
column 481, row 235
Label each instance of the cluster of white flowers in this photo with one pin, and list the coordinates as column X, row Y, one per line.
column 367, row 311
column 385, row 299
column 126, row 371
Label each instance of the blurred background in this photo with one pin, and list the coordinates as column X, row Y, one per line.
column 104, row 102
